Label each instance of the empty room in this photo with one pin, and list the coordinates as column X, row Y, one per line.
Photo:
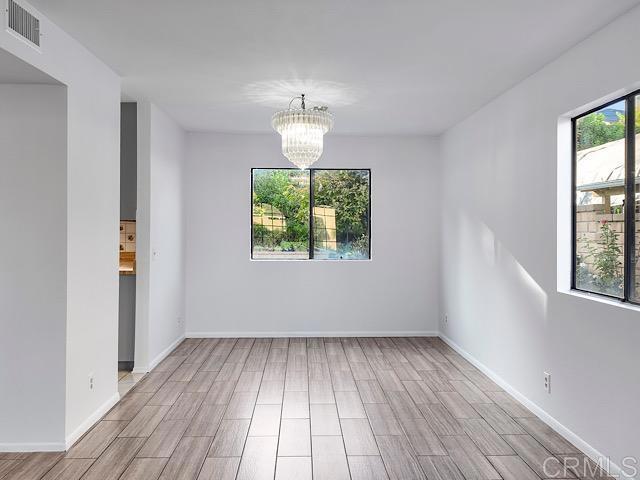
column 339, row 240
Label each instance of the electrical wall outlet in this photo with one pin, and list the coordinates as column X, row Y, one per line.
column 547, row 382
column 446, row 318
column 91, row 381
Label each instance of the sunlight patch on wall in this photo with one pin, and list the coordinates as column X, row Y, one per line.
column 499, row 265
column 515, row 269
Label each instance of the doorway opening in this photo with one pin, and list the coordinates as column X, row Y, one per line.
column 128, row 239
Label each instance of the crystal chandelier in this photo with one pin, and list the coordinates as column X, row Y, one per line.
column 302, row 132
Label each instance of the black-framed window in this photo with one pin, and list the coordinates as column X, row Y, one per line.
column 321, row 214
column 606, row 194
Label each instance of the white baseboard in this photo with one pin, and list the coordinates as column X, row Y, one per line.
column 32, row 447
column 89, row 422
column 572, row 437
column 164, row 354
column 411, row 333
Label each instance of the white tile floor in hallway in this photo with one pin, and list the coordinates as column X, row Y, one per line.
column 127, row 380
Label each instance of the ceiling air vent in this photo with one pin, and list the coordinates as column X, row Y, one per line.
column 23, row 23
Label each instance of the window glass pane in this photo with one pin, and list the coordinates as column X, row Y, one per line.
column 341, row 214
column 600, row 176
column 635, row 285
column 280, row 225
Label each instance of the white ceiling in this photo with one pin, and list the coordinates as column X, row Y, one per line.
column 383, row 66
column 14, row 70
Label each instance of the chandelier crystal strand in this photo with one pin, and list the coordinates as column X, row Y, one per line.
column 302, row 133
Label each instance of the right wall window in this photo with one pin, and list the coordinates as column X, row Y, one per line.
column 635, row 168
column 605, row 200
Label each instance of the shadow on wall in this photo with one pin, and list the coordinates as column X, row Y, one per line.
column 501, row 270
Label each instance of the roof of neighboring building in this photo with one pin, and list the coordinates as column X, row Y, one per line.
column 603, row 166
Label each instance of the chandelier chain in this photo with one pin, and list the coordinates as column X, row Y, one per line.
column 301, row 98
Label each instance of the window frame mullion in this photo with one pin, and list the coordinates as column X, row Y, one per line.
column 574, row 205
column 311, row 205
column 630, row 201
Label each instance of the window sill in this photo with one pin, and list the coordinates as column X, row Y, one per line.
column 600, row 299
column 311, row 260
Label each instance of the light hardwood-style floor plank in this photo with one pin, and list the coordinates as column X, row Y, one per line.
column 311, row 408
column 367, row 468
column 144, row 469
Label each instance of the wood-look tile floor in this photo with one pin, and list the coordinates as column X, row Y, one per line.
column 302, row 408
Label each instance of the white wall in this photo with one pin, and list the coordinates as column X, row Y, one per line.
column 500, row 254
column 395, row 292
column 33, row 255
column 126, row 319
column 160, row 235
column 93, row 131
column 93, row 239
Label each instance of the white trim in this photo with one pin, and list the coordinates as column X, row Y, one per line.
column 572, row 437
column 412, row 333
column 90, row 421
column 31, row 447
column 601, row 299
column 164, row 354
